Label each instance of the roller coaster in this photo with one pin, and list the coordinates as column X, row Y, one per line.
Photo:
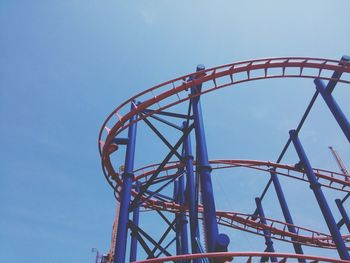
column 179, row 187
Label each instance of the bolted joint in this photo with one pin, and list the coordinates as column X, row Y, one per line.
column 315, row 186
column 121, row 141
column 269, row 243
column 184, row 220
column 133, row 232
column 128, row 175
column 188, row 157
column 293, row 134
column 204, row 168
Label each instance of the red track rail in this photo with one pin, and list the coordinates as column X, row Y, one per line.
column 329, row 179
column 249, row 256
column 175, row 91
column 244, row 222
column 241, row 221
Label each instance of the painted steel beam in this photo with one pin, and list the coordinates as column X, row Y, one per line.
column 321, row 200
column 125, row 193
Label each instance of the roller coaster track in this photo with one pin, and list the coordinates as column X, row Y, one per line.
column 329, row 179
column 248, row 256
column 175, row 91
column 245, row 222
column 170, row 93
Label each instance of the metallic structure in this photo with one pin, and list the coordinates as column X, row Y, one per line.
column 187, row 171
column 339, row 161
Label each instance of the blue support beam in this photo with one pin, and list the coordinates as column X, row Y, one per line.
column 190, row 196
column 135, row 220
column 211, row 226
column 285, row 210
column 333, row 107
column 165, row 161
column 177, row 221
column 125, row 193
column 321, row 200
column 343, row 213
column 267, row 233
column 182, row 216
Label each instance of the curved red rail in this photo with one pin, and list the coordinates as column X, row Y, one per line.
column 175, row 91
column 244, row 222
column 329, row 179
column 241, row 221
column 249, row 256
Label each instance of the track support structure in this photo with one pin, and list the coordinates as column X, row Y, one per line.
column 188, row 173
column 267, row 233
column 321, row 200
column 285, row 210
column 135, row 220
column 211, row 226
column 345, row 217
column 125, row 193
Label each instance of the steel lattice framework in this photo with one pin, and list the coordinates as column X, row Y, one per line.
column 189, row 175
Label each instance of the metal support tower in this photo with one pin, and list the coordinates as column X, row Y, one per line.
column 125, row 193
column 191, row 196
column 211, row 226
column 321, row 200
column 267, row 233
column 147, row 189
column 285, row 210
column 135, row 220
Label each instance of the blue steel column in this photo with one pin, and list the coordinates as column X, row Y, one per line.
column 190, row 195
column 321, row 200
column 285, row 210
column 182, row 217
column 343, row 213
column 135, row 220
column 334, row 107
column 177, row 220
column 211, row 226
column 125, row 194
column 267, row 233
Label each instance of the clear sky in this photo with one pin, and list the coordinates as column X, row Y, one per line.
column 66, row 64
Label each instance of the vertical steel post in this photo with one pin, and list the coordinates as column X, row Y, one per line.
column 343, row 213
column 285, row 210
column 267, row 233
column 135, row 220
column 321, row 200
column 177, row 220
column 333, row 107
column 211, row 226
column 182, row 217
column 190, row 195
column 125, row 193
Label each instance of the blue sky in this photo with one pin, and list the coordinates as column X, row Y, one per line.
column 65, row 65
